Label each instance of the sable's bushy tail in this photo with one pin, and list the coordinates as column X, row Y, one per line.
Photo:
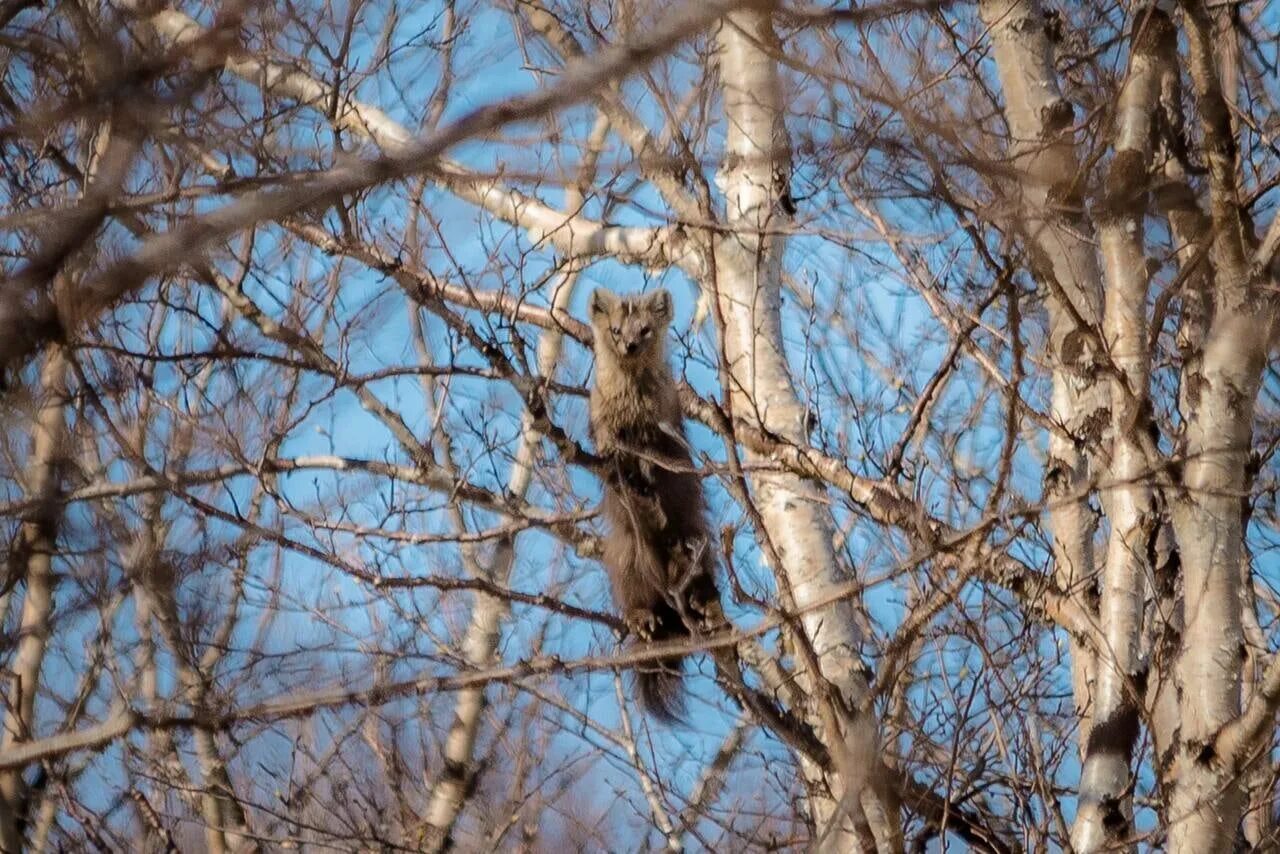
column 660, row 689
column 660, row 683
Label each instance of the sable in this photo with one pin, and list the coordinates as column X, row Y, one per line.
column 658, row 547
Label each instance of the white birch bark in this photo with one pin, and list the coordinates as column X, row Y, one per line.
column 1067, row 267
column 748, row 290
column 1206, row 800
column 1104, row 816
column 1192, row 232
column 1205, row 806
column 35, row 542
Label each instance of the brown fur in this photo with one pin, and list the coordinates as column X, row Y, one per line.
column 657, row 548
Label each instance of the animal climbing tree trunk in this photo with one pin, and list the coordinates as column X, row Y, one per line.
column 850, row 807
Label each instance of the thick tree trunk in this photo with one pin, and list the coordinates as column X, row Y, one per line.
column 1192, row 234
column 1206, row 800
column 747, row 281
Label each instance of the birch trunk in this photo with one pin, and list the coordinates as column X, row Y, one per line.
column 480, row 646
column 1051, row 204
column 748, row 293
column 1206, row 799
column 1205, row 807
column 1192, row 233
column 1104, row 816
column 34, row 545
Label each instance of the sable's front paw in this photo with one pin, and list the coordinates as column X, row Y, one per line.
column 709, row 612
column 642, row 623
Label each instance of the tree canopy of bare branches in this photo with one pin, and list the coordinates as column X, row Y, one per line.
column 976, row 311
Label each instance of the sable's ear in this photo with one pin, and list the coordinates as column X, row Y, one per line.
column 601, row 301
column 660, row 303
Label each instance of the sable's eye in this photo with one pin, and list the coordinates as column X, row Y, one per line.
column 644, row 332
column 615, row 330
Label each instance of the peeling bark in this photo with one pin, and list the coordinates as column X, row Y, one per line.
column 1206, row 798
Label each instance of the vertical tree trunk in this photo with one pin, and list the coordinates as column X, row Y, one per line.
column 753, row 177
column 1205, row 807
column 480, row 646
column 1052, row 207
column 1104, row 816
column 1192, row 233
column 33, row 550
column 1206, row 799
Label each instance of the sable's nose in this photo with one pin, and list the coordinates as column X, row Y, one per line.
column 631, row 347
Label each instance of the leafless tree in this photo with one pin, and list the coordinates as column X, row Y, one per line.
column 976, row 311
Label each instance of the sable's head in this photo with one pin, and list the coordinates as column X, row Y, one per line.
column 633, row 328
